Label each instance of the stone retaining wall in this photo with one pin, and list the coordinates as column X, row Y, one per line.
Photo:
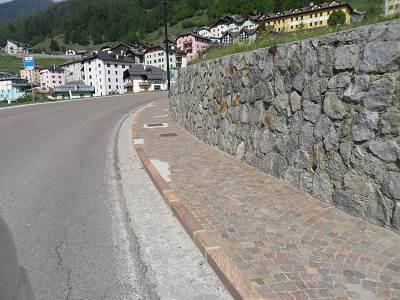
column 322, row 114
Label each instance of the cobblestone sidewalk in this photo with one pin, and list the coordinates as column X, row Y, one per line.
column 287, row 244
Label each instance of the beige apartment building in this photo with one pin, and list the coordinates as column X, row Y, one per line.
column 30, row 75
column 313, row 16
column 392, row 7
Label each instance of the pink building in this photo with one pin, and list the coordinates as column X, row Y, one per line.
column 52, row 77
column 192, row 44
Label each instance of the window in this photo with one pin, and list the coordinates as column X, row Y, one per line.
column 116, row 72
column 60, row 82
column 90, row 69
column 109, row 79
column 316, row 23
column 99, row 65
column 116, row 65
column 90, row 76
column 109, row 72
column 54, row 81
column 116, row 87
column 320, row 22
column 116, row 79
column 123, row 66
column 109, row 87
column 108, row 65
column 320, row 14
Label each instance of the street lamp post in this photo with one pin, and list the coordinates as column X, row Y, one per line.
column 166, row 41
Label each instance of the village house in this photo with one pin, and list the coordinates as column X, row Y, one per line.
column 242, row 36
column 142, row 78
column 72, row 90
column 16, row 48
column 73, row 71
column 219, row 28
column 13, row 88
column 233, row 24
column 237, row 23
column 156, row 56
column 30, row 75
column 51, row 77
column 104, row 71
column 133, row 52
column 204, row 32
column 313, row 16
column 6, row 74
column 192, row 44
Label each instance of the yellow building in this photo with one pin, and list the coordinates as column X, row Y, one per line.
column 31, row 75
column 313, row 16
column 392, row 7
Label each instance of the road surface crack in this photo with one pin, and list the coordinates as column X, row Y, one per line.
column 60, row 261
column 69, row 287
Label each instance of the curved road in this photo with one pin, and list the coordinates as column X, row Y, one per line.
column 59, row 197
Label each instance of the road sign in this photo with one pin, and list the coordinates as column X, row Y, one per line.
column 29, row 63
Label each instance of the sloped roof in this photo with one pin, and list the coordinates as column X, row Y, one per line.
column 149, row 72
column 235, row 34
column 108, row 57
column 307, row 9
column 195, row 35
column 74, row 87
column 19, row 44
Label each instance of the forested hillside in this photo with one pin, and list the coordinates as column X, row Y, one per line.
column 17, row 9
column 98, row 21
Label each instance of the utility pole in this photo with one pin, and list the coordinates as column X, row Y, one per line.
column 165, row 4
column 33, row 94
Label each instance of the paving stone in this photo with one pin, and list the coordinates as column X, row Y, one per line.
column 288, row 244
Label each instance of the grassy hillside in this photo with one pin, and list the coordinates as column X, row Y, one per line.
column 14, row 64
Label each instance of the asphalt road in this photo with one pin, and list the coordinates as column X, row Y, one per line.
column 59, row 197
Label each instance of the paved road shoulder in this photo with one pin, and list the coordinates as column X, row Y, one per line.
column 175, row 267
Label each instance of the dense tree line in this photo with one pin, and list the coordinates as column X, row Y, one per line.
column 97, row 21
column 17, row 9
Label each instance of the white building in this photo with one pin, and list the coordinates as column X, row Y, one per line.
column 204, row 32
column 233, row 24
column 104, row 71
column 70, row 52
column 73, row 71
column 219, row 28
column 239, row 23
column 156, row 56
column 15, row 48
column 141, row 78
column 12, row 88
